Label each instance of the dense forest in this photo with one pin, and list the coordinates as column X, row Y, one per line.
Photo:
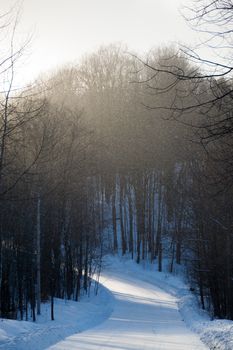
column 115, row 155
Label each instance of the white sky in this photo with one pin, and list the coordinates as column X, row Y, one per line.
column 64, row 30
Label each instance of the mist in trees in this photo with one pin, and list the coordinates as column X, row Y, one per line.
column 203, row 101
column 114, row 155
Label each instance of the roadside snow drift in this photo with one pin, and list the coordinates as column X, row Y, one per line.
column 70, row 317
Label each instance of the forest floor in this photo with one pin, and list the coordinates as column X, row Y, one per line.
column 136, row 308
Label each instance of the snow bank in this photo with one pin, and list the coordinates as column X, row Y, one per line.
column 70, row 317
column 217, row 334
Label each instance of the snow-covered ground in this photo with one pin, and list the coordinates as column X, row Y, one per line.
column 70, row 317
column 137, row 308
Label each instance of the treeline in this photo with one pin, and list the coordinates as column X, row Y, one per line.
column 90, row 163
column 51, row 242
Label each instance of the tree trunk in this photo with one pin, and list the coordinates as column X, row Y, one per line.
column 114, row 224
column 38, row 285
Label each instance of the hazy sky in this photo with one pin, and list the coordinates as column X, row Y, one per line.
column 63, row 30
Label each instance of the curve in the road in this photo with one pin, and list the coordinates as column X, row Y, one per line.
column 144, row 318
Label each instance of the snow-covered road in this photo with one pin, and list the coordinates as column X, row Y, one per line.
column 144, row 317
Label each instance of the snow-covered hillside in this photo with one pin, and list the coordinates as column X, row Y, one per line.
column 70, row 317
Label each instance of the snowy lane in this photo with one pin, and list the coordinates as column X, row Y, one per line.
column 144, row 318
